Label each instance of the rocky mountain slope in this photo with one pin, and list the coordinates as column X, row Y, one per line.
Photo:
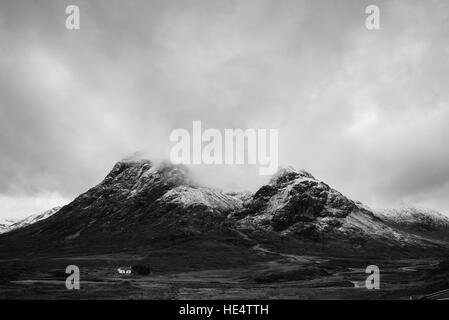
column 141, row 206
column 296, row 205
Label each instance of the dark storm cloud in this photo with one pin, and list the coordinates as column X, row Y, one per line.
column 366, row 111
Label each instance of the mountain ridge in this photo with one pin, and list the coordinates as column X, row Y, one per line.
column 13, row 224
column 141, row 205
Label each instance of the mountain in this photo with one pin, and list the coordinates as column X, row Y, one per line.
column 141, row 206
column 8, row 225
column 296, row 205
column 422, row 221
column 138, row 205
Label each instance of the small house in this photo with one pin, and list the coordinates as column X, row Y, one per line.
column 125, row 270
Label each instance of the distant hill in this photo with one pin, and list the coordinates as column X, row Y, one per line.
column 12, row 224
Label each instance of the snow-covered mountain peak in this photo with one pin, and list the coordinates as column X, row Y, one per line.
column 137, row 175
column 16, row 224
column 6, row 223
column 200, row 196
column 288, row 174
column 413, row 216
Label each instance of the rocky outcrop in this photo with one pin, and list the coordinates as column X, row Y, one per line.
column 295, row 198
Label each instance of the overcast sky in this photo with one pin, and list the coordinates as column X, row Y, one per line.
column 365, row 111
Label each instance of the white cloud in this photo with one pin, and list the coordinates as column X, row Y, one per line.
column 46, row 72
column 24, row 206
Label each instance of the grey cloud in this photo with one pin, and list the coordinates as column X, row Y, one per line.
column 365, row 111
